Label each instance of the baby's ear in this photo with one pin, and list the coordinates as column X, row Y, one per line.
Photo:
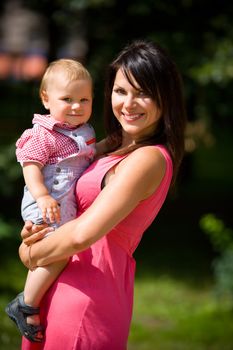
column 45, row 99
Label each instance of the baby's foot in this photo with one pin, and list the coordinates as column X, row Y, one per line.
column 19, row 312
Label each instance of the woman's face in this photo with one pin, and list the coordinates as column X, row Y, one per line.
column 137, row 112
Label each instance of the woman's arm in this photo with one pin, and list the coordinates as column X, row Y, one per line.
column 136, row 177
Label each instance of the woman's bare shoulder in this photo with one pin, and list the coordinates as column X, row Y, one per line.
column 146, row 155
column 145, row 166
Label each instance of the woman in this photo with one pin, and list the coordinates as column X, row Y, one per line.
column 89, row 307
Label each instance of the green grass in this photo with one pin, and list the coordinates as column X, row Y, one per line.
column 9, row 335
column 12, row 276
column 175, row 306
column 171, row 315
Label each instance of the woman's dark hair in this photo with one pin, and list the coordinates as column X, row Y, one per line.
column 157, row 75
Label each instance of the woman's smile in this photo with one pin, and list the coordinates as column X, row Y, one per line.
column 135, row 110
column 132, row 116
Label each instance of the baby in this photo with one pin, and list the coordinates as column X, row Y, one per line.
column 53, row 154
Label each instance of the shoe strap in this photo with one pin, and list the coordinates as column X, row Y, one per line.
column 27, row 309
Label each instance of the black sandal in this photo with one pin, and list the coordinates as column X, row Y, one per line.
column 18, row 311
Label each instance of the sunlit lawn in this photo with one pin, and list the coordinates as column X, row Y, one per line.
column 12, row 275
column 169, row 314
column 175, row 306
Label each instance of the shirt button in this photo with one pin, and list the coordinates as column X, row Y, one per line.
column 58, row 170
column 56, row 182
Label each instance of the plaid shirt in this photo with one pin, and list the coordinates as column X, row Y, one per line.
column 44, row 145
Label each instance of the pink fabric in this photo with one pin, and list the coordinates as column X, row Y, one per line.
column 89, row 307
column 43, row 144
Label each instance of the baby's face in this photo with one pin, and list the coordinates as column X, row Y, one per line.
column 69, row 102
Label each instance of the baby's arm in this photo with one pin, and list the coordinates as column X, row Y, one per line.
column 34, row 181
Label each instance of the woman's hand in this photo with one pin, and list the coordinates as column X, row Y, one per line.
column 24, row 253
column 30, row 234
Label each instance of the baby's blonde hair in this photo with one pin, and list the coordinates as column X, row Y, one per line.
column 72, row 70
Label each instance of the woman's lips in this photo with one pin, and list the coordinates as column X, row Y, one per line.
column 132, row 117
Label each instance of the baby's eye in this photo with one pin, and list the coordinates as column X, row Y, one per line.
column 83, row 100
column 67, row 99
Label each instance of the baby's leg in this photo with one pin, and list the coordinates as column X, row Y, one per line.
column 37, row 283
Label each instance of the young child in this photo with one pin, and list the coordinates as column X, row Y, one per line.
column 53, row 154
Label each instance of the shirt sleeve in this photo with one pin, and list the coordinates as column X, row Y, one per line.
column 34, row 145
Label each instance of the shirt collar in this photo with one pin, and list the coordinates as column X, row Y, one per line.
column 49, row 122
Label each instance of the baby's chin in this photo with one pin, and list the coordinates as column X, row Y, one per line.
column 69, row 125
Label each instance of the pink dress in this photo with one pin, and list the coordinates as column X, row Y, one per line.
column 89, row 307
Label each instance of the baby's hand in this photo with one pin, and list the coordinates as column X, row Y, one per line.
column 50, row 208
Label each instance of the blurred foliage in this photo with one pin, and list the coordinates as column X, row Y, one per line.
column 218, row 68
column 7, row 230
column 220, row 235
column 198, row 34
column 169, row 315
column 10, row 170
column 222, row 240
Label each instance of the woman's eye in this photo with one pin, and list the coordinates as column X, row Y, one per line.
column 142, row 93
column 119, row 91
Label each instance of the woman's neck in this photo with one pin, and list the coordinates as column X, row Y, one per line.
column 127, row 141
